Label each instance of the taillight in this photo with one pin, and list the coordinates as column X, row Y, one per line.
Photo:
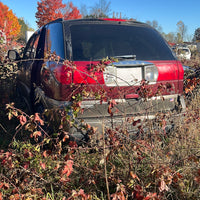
column 63, row 74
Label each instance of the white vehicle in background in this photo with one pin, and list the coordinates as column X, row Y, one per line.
column 183, row 53
column 28, row 35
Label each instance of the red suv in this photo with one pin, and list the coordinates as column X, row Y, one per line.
column 144, row 78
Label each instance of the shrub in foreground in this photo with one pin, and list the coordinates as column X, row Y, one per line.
column 160, row 162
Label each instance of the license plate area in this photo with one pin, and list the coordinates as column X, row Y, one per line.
column 123, row 75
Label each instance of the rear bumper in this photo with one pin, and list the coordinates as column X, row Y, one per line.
column 96, row 113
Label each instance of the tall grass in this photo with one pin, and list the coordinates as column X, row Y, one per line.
column 159, row 163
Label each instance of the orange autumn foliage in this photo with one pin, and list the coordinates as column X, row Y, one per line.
column 49, row 10
column 8, row 22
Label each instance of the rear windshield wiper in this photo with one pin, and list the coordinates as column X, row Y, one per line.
column 125, row 57
column 122, row 57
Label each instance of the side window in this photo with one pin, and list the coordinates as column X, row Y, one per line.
column 30, row 50
column 54, row 41
column 35, row 44
column 27, row 50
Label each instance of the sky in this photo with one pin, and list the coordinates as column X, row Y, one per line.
column 166, row 12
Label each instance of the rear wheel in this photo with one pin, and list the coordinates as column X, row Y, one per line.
column 22, row 102
column 36, row 103
column 37, row 107
column 52, row 119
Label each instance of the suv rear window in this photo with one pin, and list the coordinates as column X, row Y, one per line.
column 97, row 41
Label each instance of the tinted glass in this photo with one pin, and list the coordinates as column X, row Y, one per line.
column 93, row 42
column 54, row 39
column 28, row 48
